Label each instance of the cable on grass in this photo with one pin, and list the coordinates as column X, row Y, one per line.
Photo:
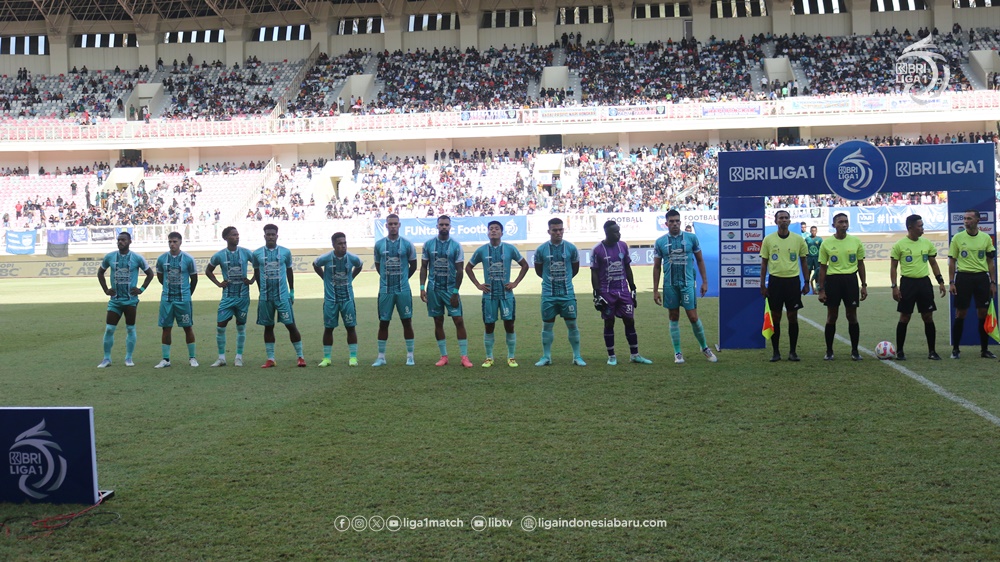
column 48, row 525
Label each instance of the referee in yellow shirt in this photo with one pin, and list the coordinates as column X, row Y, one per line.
column 973, row 256
column 911, row 256
column 841, row 264
column 783, row 255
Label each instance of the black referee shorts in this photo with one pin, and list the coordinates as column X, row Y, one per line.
column 784, row 292
column 844, row 288
column 916, row 291
column 972, row 285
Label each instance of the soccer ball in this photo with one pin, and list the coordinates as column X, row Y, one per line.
column 885, row 350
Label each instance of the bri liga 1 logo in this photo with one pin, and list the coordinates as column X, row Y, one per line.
column 855, row 170
column 924, row 73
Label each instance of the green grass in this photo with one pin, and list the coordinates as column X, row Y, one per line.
column 742, row 460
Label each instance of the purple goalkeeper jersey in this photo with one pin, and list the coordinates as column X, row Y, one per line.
column 610, row 262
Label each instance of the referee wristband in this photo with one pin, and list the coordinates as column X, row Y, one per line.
column 940, row 280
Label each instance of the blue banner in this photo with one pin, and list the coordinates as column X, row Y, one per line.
column 78, row 234
column 21, row 242
column 858, row 168
column 893, row 218
column 463, row 229
column 50, row 455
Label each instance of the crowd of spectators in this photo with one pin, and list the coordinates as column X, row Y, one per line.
column 451, row 78
column 83, row 95
column 321, row 82
column 215, row 93
column 286, row 193
column 865, row 65
column 630, row 73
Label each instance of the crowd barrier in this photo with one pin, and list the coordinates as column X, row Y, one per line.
column 52, row 130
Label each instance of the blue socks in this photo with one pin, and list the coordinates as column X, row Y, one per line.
column 548, row 334
column 511, row 345
column 574, row 337
column 298, row 348
column 241, row 338
column 269, row 349
column 109, row 339
column 488, row 342
column 699, row 333
column 220, row 339
column 675, row 336
column 129, row 341
column 443, row 347
column 463, row 347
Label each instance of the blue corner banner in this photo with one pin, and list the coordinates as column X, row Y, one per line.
column 49, row 455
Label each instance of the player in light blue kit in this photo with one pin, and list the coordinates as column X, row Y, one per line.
column 557, row 263
column 392, row 254
column 124, row 291
column 235, row 285
column 614, row 291
column 275, row 278
column 445, row 255
column 498, row 291
column 675, row 254
column 338, row 270
column 176, row 272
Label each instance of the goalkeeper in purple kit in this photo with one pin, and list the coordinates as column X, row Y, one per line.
column 614, row 291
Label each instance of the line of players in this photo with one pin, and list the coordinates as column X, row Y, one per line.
column 835, row 270
column 556, row 262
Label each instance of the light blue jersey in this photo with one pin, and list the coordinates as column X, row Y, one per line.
column 272, row 265
column 235, row 270
column 176, row 272
column 496, row 262
column 557, row 269
column 677, row 254
column 338, row 276
column 125, row 270
column 393, row 259
column 442, row 257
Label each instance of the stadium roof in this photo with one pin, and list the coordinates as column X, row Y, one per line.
column 124, row 10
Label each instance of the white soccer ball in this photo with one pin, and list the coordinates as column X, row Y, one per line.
column 885, row 350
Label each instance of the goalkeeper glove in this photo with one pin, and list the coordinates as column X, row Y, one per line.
column 599, row 302
column 635, row 300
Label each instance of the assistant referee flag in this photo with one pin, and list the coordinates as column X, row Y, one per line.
column 768, row 330
column 990, row 324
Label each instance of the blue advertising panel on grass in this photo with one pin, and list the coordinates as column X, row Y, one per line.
column 463, row 229
column 49, row 455
column 854, row 170
column 892, row 218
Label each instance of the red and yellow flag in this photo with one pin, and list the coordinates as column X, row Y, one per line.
column 990, row 324
column 768, row 329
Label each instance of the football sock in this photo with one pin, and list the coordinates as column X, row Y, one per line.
column 488, row 342
column 574, row 337
column 443, row 347
column 130, row 338
column 776, row 338
column 409, row 346
column 548, row 334
column 854, row 329
column 352, row 348
column 166, row 351
column 699, row 333
column 109, row 339
column 298, row 348
column 675, row 336
column 633, row 339
column 609, row 341
column 381, row 348
column 957, row 327
column 793, row 336
column 463, row 347
column 269, row 349
column 900, row 336
column 931, row 332
column 327, row 350
column 241, row 338
column 220, row 339
column 511, row 344
column 191, row 352
column 830, row 330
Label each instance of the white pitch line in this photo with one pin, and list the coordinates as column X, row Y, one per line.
column 937, row 389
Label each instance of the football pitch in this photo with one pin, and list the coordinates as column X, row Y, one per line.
column 738, row 460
